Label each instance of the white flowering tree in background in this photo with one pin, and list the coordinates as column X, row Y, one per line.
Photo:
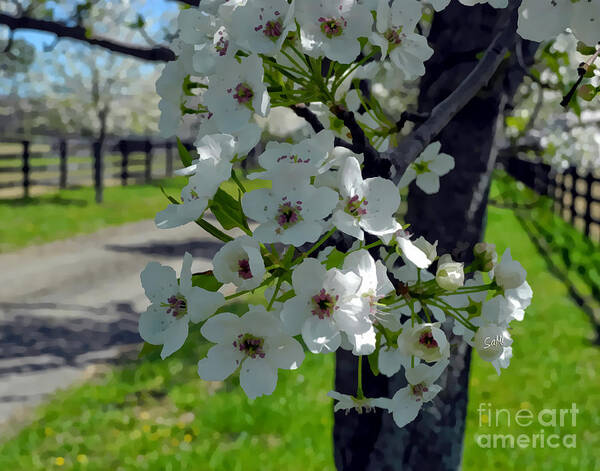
column 400, row 97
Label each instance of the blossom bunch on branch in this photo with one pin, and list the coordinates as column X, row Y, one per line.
column 388, row 297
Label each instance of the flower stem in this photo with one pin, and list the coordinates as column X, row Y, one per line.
column 359, row 387
column 277, row 286
column 320, row 242
column 237, row 181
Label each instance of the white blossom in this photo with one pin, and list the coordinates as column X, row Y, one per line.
column 236, row 91
column 254, row 343
column 245, row 138
column 331, row 28
column 291, row 216
column 347, row 403
column 365, row 205
column 407, row 402
column 396, row 37
column 240, row 262
column 284, row 162
column 540, row 20
column 374, row 285
column 195, row 195
column 327, row 302
column 391, row 359
column 427, row 169
column 419, row 252
column 214, row 150
column 173, row 305
column 261, row 26
column 169, row 87
column 509, row 273
column 425, row 341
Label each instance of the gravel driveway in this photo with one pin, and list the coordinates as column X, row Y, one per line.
column 70, row 304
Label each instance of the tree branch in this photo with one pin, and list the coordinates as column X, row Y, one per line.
column 374, row 165
column 312, row 119
column 61, row 30
column 413, row 144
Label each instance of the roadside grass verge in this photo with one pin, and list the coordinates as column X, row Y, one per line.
column 71, row 212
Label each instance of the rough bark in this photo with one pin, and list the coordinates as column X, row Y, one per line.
column 455, row 217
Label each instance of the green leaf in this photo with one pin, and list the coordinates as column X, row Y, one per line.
column 335, row 259
column 586, row 50
column 149, row 349
column 587, row 92
column 206, row 280
column 184, row 154
column 373, row 362
column 169, row 197
column 228, row 211
column 213, row 231
column 283, row 298
column 590, row 71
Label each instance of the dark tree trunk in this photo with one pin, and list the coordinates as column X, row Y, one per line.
column 455, row 217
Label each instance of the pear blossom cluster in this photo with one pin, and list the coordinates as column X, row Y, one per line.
column 390, row 298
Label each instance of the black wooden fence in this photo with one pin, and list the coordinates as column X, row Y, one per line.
column 576, row 193
column 69, row 162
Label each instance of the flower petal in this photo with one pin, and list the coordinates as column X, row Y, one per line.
column 258, row 377
column 220, row 362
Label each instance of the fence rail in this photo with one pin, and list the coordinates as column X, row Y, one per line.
column 576, row 193
column 68, row 162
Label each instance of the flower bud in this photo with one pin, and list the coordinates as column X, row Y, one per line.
column 490, row 340
column 430, row 250
column 450, row 274
column 486, row 257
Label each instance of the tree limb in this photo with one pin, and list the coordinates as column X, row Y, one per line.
column 193, row 3
column 61, row 30
column 312, row 119
column 413, row 144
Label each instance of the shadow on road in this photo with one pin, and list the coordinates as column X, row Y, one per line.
column 62, row 340
column 198, row 249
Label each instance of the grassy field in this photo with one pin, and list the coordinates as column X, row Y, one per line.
column 70, row 212
column 158, row 415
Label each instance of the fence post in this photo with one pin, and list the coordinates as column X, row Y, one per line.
column 124, row 148
column 589, row 180
column 63, row 164
column 169, row 156
column 148, row 168
column 26, row 169
column 97, row 147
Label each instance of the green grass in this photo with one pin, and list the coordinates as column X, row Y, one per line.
column 553, row 365
column 70, row 212
column 159, row 415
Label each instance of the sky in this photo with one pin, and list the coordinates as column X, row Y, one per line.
column 158, row 13
column 151, row 9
